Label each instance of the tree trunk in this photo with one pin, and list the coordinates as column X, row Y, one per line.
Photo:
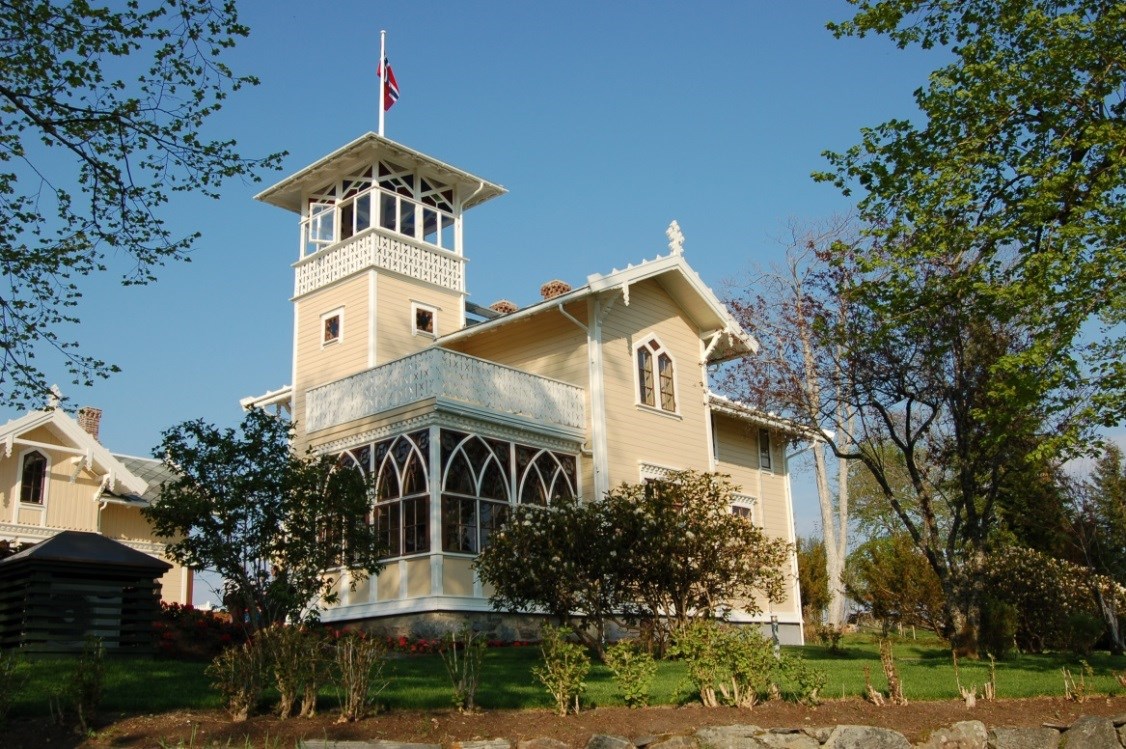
column 1109, row 609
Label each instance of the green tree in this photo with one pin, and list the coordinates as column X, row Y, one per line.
column 992, row 251
column 812, row 579
column 282, row 530
column 797, row 372
column 103, row 113
column 892, row 579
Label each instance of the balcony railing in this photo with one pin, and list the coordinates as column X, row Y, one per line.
column 377, row 249
column 446, row 376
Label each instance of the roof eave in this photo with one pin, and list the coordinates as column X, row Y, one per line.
column 288, row 192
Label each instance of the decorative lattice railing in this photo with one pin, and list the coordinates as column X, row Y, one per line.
column 445, row 375
column 374, row 249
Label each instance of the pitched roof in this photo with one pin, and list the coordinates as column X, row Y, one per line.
column 363, row 150
column 80, row 547
column 70, row 435
column 673, row 273
column 153, row 472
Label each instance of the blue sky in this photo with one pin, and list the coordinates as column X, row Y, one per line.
column 605, row 121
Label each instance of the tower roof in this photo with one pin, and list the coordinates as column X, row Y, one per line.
column 367, row 149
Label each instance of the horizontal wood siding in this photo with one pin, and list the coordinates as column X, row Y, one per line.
column 318, row 363
column 546, row 344
column 393, row 322
column 635, row 433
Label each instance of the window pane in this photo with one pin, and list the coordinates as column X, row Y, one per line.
column 387, row 526
column 668, row 398
column 459, row 477
column 34, row 478
column 493, row 517
column 459, row 524
column 645, row 376
column 494, row 485
column 416, row 525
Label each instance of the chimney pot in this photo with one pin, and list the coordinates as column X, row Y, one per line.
column 90, row 419
column 503, row 306
column 554, row 288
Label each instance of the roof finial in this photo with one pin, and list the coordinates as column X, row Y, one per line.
column 55, row 397
column 676, row 238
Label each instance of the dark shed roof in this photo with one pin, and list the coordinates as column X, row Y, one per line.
column 79, row 547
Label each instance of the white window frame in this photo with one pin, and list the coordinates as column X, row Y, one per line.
column 416, row 307
column 748, row 502
column 655, row 350
column 42, row 504
column 338, row 312
column 767, row 464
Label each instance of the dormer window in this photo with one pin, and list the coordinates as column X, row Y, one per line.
column 33, row 478
column 656, row 381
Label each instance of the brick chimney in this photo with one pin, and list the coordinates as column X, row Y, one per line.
column 90, row 419
column 552, row 289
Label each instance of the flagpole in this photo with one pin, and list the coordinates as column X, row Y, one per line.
column 382, row 76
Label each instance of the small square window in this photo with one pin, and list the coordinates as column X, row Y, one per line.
column 425, row 319
column 332, row 327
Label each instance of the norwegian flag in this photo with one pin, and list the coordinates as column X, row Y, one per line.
column 391, row 91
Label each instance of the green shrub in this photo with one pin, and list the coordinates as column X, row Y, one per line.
column 633, row 668
column 999, row 622
column 237, row 673
column 729, row 664
column 87, row 683
column 290, row 662
column 1083, row 631
column 564, row 669
column 358, row 670
column 463, row 653
column 805, row 681
column 829, row 636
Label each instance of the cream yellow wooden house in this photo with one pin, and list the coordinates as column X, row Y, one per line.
column 55, row 475
column 461, row 411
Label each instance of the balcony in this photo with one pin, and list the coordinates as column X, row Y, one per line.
column 455, row 382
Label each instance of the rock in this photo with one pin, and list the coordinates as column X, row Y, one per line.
column 1090, row 733
column 866, row 737
column 484, row 744
column 541, row 743
column 674, row 742
column 820, row 734
column 1024, row 738
column 966, row 734
column 1119, row 720
column 606, row 741
column 398, row 745
column 731, row 737
column 788, row 740
column 1122, row 734
column 325, row 744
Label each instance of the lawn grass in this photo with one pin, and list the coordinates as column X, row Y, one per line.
column 419, row 681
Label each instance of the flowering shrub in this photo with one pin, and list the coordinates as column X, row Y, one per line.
column 1052, row 598
column 185, row 632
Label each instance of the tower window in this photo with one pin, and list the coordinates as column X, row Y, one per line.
column 656, row 381
column 33, row 478
column 332, row 327
column 425, row 319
